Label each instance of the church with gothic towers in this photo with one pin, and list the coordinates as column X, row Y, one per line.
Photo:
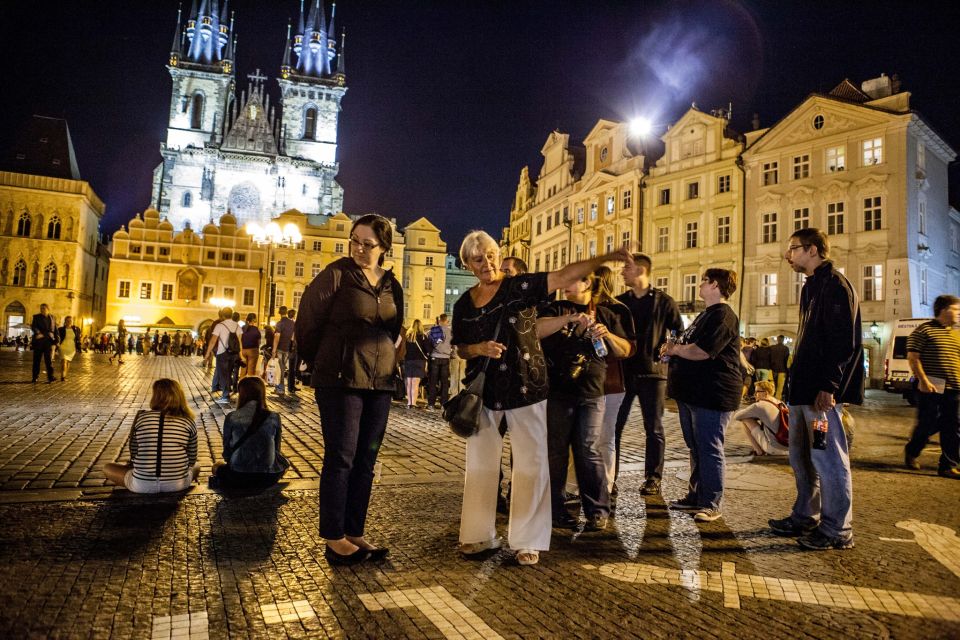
column 230, row 151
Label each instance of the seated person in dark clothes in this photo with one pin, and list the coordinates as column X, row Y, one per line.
column 251, row 442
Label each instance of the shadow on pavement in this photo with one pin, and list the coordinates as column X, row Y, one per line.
column 125, row 529
column 244, row 525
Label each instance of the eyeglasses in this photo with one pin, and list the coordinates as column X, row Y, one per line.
column 366, row 245
column 794, row 247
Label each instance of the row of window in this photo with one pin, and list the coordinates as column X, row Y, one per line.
column 427, row 311
column 693, row 190
column 871, row 286
column 558, row 257
column 834, row 159
column 24, row 224
column 555, row 219
column 49, row 276
column 146, row 292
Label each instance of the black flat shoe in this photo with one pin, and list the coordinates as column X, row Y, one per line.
column 335, row 558
column 378, row 554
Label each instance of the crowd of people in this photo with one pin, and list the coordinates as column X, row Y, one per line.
column 561, row 375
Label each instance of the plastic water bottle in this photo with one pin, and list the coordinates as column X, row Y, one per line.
column 671, row 339
column 599, row 347
column 820, row 427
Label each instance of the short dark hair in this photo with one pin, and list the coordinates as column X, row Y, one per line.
column 815, row 237
column 725, row 279
column 643, row 259
column 518, row 264
column 944, row 301
column 283, row 310
column 292, row 313
column 381, row 228
column 442, row 317
column 235, row 316
column 251, row 317
column 252, row 388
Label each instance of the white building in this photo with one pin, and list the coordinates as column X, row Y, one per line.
column 225, row 152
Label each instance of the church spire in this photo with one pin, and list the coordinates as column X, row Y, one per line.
column 177, row 35
column 285, row 69
column 341, row 63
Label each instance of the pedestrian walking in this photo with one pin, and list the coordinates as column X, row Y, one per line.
column 163, row 445
column 293, row 363
column 120, row 342
column 251, row 442
column 779, row 364
column 655, row 317
column 44, row 340
column 225, row 345
column 414, row 361
column 705, row 377
column 516, row 387
column 68, row 340
column 250, row 345
column 350, row 318
column 827, row 370
column 439, row 386
column 762, row 361
column 933, row 351
column 282, row 339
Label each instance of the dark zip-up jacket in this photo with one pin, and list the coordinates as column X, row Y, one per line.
column 654, row 315
column 829, row 351
column 347, row 328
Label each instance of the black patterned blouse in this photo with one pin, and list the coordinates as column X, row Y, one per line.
column 519, row 377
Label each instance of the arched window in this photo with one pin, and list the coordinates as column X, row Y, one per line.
column 53, row 228
column 310, row 124
column 50, row 276
column 196, row 112
column 20, row 274
column 23, row 225
column 187, row 200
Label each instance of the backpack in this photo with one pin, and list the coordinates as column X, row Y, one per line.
column 436, row 334
column 782, row 435
column 233, row 343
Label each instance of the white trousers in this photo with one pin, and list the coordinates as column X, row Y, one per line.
column 530, row 518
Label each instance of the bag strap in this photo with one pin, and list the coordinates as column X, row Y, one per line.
column 496, row 331
column 259, row 417
column 779, row 406
column 159, row 447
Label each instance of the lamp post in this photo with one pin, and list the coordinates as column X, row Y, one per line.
column 272, row 236
column 875, row 332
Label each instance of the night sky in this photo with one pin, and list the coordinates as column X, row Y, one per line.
column 447, row 101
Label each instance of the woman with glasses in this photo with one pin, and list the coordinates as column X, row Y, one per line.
column 350, row 320
column 515, row 387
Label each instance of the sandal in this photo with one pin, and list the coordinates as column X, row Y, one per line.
column 473, row 548
column 527, row 557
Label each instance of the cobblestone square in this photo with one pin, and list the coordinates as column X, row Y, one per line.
column 81, row 559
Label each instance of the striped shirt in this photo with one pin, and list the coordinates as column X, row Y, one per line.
column 939, row 349
column 179, row 446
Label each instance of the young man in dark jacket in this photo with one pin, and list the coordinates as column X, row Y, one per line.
column 827, row 371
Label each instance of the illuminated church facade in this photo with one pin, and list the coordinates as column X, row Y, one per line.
column 226, row 151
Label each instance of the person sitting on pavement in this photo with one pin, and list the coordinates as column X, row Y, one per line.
column 251, row 442
column 515, row 386
column 568, row 330
column 163, row 445
column 704, row 377
column 761, row 420
column 933, row 351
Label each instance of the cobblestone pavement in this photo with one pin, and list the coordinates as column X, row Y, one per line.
column 79, row 561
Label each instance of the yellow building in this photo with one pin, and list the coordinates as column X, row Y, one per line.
column 692, row 206
column 859, row 164
column 168, row 280
column 585, row 201
column 50, row 249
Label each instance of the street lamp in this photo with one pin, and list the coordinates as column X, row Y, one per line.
column 875, row 332
column 272, row 236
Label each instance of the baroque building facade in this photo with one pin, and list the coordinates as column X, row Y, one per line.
column 50, row 250
column 861, row 165
column 225, row 152
column 165, row 279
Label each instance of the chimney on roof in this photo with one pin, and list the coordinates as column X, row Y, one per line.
column 755, row 122
column 878, row 87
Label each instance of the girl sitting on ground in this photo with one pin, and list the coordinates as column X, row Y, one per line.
column 251, row 442
column 761, row 420
column 163, row 445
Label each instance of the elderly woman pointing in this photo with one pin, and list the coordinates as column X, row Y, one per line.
column 515, row 388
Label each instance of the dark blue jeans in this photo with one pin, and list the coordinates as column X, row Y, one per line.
column 577, row 423
column 937, row 412
column 651, row 393
column 353, row 424
column 703, row 431
column 224, row 373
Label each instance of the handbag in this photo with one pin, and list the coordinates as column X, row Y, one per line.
column 462, row 411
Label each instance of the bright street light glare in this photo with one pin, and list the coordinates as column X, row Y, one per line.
column 640, row 126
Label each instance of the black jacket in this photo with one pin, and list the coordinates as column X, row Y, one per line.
column 651, row 331
column 75, row 336
column 43, row 327
column 829, row 352
column 347, row 328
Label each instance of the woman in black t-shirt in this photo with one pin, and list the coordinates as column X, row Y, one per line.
column 515, row 388
column 705, row 378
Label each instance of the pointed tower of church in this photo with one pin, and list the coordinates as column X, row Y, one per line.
column 201, row 66
column 311, row 89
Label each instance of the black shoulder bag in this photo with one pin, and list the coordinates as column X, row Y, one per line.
column 462, row 411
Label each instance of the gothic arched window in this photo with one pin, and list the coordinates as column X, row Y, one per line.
column 187, row 199
column 53, row 228
column 196, row 112
column 23, row 225
column 50, row 276
column 20, row 274
column 310, row 124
